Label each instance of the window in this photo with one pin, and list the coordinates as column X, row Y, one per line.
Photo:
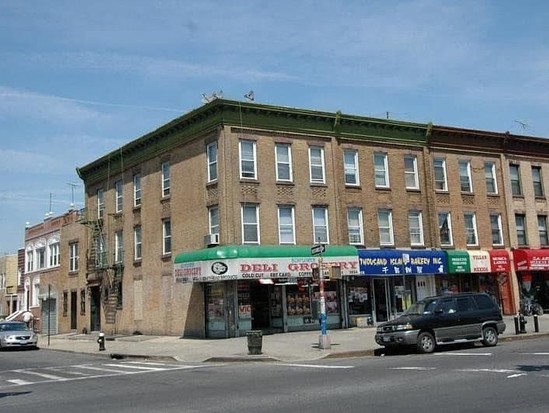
column 350, row 161
column 495, row 224
column 415, row 227
column 82, row 302
column 137, row 253
column 514, row 173
column 165, row 179
column 381, row 170
column 316, row 165
column 41, row 257
column 100, row 203
column 250, row 224
column 520, row 225
column 410, row 172
column 490, row 176
column 320, row 225
column 30, row 261
column 536, row 180
column 101, row 258
column 211, row 154
column 542, row 230
column 35, row 293
column 286, row 227
column 470, row 228
column 445, row 229
column 385, row 225
column 118, row 247
column 355, row 226
column 65, row 303
column 441, row 183
column 283, row 155
column 136, row 190
column 73, row 256
column 247, row 160
column 213, row 214
column 118, row 196
column 166, row 236
column 465, row 176
column 53, row 254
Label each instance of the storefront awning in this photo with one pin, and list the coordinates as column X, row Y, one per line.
column 478, row 261
column 531, row 260
column 399, row 262
column 245, row 262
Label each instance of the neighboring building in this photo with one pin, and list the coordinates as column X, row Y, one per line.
column 9, row 279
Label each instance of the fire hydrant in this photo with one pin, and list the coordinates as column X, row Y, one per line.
column 101, row 341
column 522, row 323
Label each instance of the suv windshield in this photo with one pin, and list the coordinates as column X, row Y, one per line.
column 422, row 307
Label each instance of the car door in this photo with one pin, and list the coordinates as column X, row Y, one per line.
column 469, row 320
column 446, row 320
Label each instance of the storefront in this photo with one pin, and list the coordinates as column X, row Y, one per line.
column 479, row 271
column 532, row 269
column 390, row 280
column 269, row 288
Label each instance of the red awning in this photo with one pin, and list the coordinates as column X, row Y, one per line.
column 531, row 260
column 499, row 261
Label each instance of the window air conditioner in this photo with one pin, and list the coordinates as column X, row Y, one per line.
column 211, row 239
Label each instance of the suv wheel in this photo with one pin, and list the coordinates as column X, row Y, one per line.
column 489, row 336
column 425, row 342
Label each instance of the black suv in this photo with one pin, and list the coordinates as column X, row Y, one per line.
column 445, row 319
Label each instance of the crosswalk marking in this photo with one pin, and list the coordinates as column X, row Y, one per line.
column 20, row 382
column 462, row 354
column 313, row 366
column 128, row 366
column 43, row 375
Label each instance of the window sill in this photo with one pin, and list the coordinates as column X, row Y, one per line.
column 137, row 263
column 166, row 257
column 165, row 198
column 383, row 188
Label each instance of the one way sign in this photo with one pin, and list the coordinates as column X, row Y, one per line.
column 318, row 249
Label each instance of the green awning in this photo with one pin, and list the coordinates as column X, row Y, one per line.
column 458, row 262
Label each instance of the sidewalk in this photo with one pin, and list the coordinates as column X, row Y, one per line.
column 287, row 347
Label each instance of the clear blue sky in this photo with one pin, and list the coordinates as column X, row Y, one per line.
column 79, row 79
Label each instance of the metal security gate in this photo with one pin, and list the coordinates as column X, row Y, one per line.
column 48, row 319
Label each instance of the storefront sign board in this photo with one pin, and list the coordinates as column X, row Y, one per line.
column 399, row 262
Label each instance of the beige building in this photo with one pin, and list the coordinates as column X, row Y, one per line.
column 9, row 279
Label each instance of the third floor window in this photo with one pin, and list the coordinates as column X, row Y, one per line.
column 381, row 168
column 316, row 165
column 537, row 181
column 465, row 180
column 350, row 160
column 490, row 178
column 248, row 167
column 118, row 196
column 441, row 182
column 165, row 179
column 211, row 154
column 514, row 175
column 410, row 172
column 136, row 190
column 283, row 155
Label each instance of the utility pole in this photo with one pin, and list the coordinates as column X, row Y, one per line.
column 324, row 338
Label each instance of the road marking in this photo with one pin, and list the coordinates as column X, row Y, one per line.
column 313, row 366
column 413, row 368
column 20, row 382
column 512, row 376
column 463, row 354
column 43, row 375
column 488, row 370
column 535, row 354
column 128, row 366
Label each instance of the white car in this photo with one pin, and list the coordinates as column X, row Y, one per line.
column 16, row 334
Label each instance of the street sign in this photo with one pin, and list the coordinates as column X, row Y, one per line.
column 318, row 249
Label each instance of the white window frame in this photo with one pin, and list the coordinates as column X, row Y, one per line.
column 41, row 258
column 321, row 230
column 542, row 230
column 317, row 173
column 73, row 256
column 283, row 159
column 100, row 203
column 248, row 161
column 350, row 165
column 355, row 226
column 445, row 217
column 137, row 243
column 165, row 179
column 30, row 261
column 137, row 190
column 249, row 214
column 166, row 236
column 53, row 254
column 118, row 195
column 490, row 177
column 211, row 156
column 411, row 175
column 415, row 228
column 118, row 246
column 35, row 302
column 439, row 164
column 213, row 219
column 286, row 224
column 385, row 227
column 381, row 170
column 465, row 179
column 470, row 226
column 496, row 229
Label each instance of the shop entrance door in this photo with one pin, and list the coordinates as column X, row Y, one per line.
column 382, row 300
column 259, row 297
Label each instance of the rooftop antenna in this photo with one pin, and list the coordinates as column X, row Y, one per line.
column 72, row 192
column 211, row 97
column 49, row 213
column 249, row 96
column 523, row 125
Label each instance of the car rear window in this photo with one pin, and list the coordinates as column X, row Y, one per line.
column 484, row 302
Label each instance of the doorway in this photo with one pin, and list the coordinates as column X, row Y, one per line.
column 259, row 297
column 382, row 301
column 73, row 310
column 95, row 308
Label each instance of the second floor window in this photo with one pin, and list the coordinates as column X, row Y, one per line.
column 165, row 179
column 250, row 224
column 100, row 203
column 286, row 227
column 465, row 176
column 30, row 261
column 211, row 154
column 73, row 256
column 537, row 182
column 355, row 226
column 350, row 161
column 542, row 231
column 137, row 247
column 53, row 252
column 514, row 174
column 441, row 182
column 118, row 188
column 166, row 236
column 316, row 165
column 136, row 190
column 520, row 226
column 213, row 217
column 381, row 168
column 445, row 229
column 41, row 257
column 470, row 222
column 320, row 225
column 248, row 160
column 283, row 155
column 410, row 172
column 385, row 226
column 490, row 177
column 495, row 224
column 415, row 227
column 118, row 246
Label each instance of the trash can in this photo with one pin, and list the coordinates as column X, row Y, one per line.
column 255, row 341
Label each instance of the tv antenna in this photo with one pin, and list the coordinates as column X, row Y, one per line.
column 523, row 124
column 211, row 97
column 72, row 192
column 249, row 96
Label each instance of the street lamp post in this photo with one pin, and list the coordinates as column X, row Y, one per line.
column 324, row 338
